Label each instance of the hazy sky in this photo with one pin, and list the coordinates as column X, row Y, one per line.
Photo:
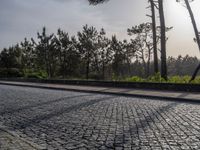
column 24, row 18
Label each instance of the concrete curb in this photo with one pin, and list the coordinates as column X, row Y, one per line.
column 42, row 86
column 178, row 87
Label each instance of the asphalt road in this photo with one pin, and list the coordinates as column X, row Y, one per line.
column 72, row 120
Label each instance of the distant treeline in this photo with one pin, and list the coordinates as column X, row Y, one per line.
column 89, row 55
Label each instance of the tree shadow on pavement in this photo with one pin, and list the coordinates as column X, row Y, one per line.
column 13, row 110
column 142, row 124
column 36, row 120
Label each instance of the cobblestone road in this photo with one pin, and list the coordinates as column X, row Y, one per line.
column 72, row 120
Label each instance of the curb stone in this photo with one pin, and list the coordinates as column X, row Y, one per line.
column 61, row 87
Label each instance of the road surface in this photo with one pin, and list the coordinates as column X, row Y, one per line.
column 73, row 120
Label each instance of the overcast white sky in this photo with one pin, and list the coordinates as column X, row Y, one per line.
column 24, row 18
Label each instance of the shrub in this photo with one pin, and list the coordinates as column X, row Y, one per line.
column 3, row 72
column 117, row 78
column 155, row 78
column 175, row 79
column 95, row 76
column 135, row 79
column 14, row 72
column 179, row 79
column 36, row 75
column 10, row 72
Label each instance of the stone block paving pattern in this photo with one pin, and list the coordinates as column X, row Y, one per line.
column 73, row 120
column 9, row 141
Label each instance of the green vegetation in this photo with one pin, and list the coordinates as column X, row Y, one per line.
column 36, row 75
column 92, row 55
column 158, row 79
column 159, row 6
column 10, row 72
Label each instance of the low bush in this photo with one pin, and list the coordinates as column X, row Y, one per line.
column 36, row 75
column 10, row 72
column 135, row 79
column 158, row 79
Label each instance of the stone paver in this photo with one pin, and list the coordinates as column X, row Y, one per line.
column 73, row 120
column 10, row 141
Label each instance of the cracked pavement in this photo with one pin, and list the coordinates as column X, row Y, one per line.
column 57, row 119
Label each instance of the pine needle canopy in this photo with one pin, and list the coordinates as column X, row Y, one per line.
column 95, row 2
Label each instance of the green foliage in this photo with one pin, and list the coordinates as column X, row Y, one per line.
column 95, row 76
column 10, row 72
column 91, row 55
column 88, row 41
column 179, row 79
column 197, row 80
column 69, row 56
column 157, row 79
column 135, row 79
column 118, row 78
column 3, row 72
column 37, row 75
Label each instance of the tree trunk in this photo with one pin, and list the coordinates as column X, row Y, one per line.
column 129, row 68
column 46, row 63
column 64, row 66
column 196, row 34
column 163, row 41
column 87, row 69
column 148, row 62
column 195, row 73
column 103, row 73
column 154, row 37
